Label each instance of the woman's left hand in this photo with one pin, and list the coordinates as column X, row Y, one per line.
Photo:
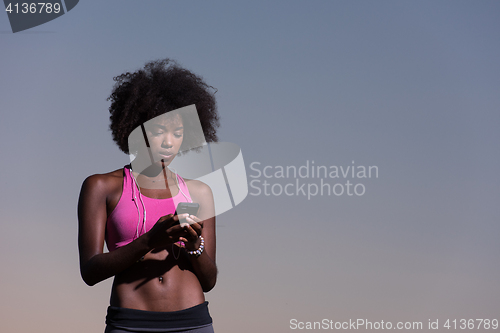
column 192, row 228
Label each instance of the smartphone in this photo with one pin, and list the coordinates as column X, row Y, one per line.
column 190, row 208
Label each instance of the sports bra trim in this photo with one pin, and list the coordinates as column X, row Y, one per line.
column 126, row 182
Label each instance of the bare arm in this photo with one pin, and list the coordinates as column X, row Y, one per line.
column 204, row 265
column 96, row 266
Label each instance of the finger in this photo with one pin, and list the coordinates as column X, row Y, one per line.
column 177, row 230
column 165, row 218
column 193, row 219
column 191, row 233
column 197, row 226
column 190, row 220
column 184, row 225
column 177, row 218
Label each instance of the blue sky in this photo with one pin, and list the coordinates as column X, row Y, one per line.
column 411, row 87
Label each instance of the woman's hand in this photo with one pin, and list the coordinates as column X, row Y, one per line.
column 167, row 231
column 193, row 229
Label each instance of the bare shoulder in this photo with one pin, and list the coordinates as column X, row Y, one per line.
column 198, row 188
column 104, row 183
column 202, row 193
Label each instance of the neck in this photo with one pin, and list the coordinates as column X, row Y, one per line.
column 154, row 173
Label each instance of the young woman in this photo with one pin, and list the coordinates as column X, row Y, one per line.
column 161, row 267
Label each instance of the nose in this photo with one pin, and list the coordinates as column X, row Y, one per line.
column 167, row 140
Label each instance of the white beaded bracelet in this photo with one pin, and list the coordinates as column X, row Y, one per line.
column 200, row 249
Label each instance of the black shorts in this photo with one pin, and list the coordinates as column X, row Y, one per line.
column 192, row 320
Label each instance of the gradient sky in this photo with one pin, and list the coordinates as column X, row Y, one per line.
column 412, row 87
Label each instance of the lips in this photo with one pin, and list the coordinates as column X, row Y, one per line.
column 166, row 155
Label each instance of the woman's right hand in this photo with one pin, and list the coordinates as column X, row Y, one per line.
column 166, row 231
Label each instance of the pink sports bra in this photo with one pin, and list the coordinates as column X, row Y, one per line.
column 126, row 221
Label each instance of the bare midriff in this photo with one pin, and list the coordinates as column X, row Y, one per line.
column 162, row 281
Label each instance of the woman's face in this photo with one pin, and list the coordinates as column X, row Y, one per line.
column 165, row 135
